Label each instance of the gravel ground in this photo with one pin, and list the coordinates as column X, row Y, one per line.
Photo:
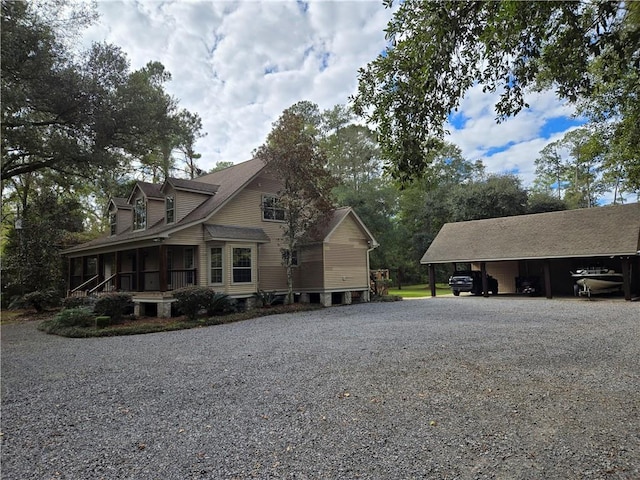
column 445, row 388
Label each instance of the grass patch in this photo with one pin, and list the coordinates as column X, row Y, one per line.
column 156, row 325
column 417, row 291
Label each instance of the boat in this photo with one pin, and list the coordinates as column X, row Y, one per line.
column 597, row 280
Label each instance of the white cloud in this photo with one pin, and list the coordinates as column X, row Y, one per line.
column 240, row 64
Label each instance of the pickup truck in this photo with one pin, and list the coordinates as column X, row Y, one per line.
column 471, row 281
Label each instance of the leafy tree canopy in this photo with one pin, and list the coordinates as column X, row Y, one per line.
column 79, row 117
column 586, row 51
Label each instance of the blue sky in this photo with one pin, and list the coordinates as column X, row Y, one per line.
column 240, row 64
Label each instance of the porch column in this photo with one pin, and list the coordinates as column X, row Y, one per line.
column 547, row 279
column 485, row 283
column 139, row 276
column 162, row 265
column 100, row 268
column 118, row 268
column 69, row 275
column 432, row 279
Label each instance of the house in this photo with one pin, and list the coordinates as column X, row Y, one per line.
column 222, row 230
column 544, row 245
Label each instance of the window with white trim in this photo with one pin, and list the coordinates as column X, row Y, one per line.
column 140, row 214
column 170, row 208
column 242, row 265
column 113, row 223
column 215, row 254
column 271, row 208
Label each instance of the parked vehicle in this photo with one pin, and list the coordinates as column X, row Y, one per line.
column 471, row 281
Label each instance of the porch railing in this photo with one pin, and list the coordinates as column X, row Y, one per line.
column 147, row 281
column 81, row 290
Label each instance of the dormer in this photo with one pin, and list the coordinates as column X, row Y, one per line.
column 182, row 196
column 119, row 212
column 147, row 203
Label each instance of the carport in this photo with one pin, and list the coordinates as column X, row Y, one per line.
column 545, row 245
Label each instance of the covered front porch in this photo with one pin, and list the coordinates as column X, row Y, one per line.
column 158, row 269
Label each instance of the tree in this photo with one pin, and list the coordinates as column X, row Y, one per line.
column 438, row 50
column 76, row 117
column 292, row 154
column 496, row 196
column 31, row 255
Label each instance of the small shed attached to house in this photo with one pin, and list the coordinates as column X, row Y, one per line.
column 547, row 245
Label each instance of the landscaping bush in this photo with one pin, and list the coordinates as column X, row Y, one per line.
column 38, row 300
column 103, row 321
column 221, row 304
column 74, row 317
column 114, row 305
column 267, row 299
column 190, row 301
column 75, row 302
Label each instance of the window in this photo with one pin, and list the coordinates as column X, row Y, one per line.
column 216, row 265
column 113, row 224
column 170, row 209
column 271, row 209
column 140, row 215
column 241, row 265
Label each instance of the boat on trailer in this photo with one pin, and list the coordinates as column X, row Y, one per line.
column 597, row 280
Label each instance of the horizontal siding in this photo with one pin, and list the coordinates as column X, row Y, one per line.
column 345, row 256
column 272, row 278
column 188, row 236
column 155, row 211
column 186, row 202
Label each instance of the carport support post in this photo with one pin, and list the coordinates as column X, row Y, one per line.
column 432, row 279
column 547, row 279
column 485, row 283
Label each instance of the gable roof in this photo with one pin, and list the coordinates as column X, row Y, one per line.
column 588, row 232
column 227, row 183
column 338, row 216
column 150, row 190
column 120, row 203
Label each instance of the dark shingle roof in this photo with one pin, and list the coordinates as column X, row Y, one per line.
column 226, row 182
column 227, row 232
column 193, row 185
column 588, row 232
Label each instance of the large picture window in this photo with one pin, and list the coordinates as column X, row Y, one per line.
column 271, row 209
column 140, row 214
column 241, row 265
column 170, row 208
column 216, row 265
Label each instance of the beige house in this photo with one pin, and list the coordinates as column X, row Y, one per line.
column 222, row 230
column 545, row 245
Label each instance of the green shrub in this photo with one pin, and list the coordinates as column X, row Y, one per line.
column 103, row 321
column 190, row 301
column 114, row 305
column 75, row 302
column 74, row 317
column 38, row 300
column 267, row 299
column 221, row 304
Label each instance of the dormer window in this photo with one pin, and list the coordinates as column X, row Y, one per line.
column 271, row 209
column 170, row 209
column 140, row 214
column 113, row 223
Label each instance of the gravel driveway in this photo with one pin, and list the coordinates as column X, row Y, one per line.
column 444, row 388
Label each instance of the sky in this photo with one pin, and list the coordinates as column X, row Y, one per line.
column 240, row 64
